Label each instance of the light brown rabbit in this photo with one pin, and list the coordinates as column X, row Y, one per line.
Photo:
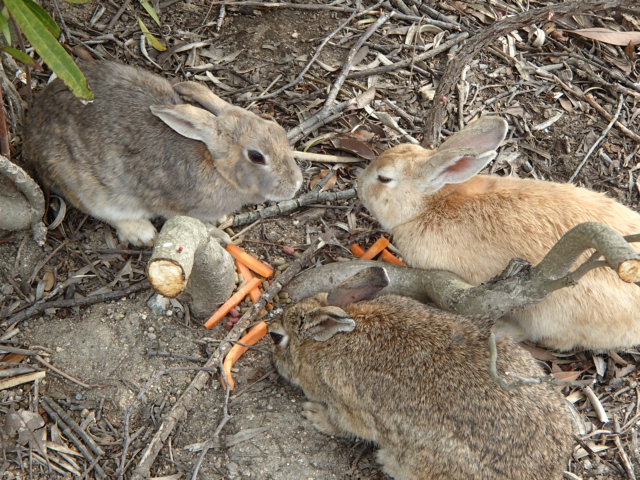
column 415, row 380
column 443, row 216
column 139, row 150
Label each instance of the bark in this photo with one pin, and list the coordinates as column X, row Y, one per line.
column 21, row 201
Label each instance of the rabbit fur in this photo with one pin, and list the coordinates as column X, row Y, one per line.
column 415, row 380
column 141, row 150
column 443, row 216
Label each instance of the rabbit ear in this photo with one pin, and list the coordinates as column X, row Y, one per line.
column 197, row 93
column 187, row 120
column 364, row 285
column 325, row 322
column 464, row 154
column 485, row 134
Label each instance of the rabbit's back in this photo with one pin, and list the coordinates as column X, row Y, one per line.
column 415, row 380
column 475, row 228
column 106, row 152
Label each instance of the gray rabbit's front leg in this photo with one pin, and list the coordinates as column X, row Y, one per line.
column 137, row 232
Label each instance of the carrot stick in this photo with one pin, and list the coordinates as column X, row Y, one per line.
column 233, row 302
column 357, row 250
column 251, row 338
column 375, row 249
column 247, row 275
column 389, row 257
column 249, row 260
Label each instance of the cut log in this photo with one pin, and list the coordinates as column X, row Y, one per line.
column 188, row 258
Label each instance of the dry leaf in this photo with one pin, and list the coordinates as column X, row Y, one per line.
column 566, row 104
column 568, row 376
column 30, row 428
column 323, row 173
column 49, row 280
column 630, row 51
column 609, row 36
column 351, row 144
column 539, row 353
column 12, row 358
column 624, row 371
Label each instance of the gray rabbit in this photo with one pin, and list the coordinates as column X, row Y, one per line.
column 140, row 150
column 415, row 380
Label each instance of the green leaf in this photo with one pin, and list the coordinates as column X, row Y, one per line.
column 78, row 2
column 18, row 55
column 4, row 26
column 150, row 10
column 48, row 47
column 43, row 16
column 155, row 43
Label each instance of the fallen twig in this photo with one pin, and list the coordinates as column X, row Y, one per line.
column 323, row 158
column 288, row 206
column 348, row 64
column 309, row 64
column 454, row 40
column 19, row 380
column 63, row 374
column 55, row 416
column 599, row 141
column 38, row 308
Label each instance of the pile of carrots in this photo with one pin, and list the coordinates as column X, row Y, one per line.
column 379, row 247
column 247, row 265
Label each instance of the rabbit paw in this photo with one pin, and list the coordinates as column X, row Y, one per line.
column 390, row 465
column 140, row 233
column 317, row 414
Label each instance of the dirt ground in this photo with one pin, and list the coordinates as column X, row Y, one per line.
column 134, row 363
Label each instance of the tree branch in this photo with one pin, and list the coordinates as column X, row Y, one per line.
column 517, row 286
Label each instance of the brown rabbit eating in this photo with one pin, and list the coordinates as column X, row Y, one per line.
column 443, row 216
column 141, row 150
column 415, row 380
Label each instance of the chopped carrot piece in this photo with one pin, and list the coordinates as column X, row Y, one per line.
column 357, row 250
column 247, row 275
column 375, row 249
column 251, row 338
column 249, row 260
column 233, row 302
column 389, row 257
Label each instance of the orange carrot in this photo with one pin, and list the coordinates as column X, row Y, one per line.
column 247, row 275
column 375, row 249
column 249, row 260
column 251, row 338
column 233, row 302
column 389, row 257
column 357, row 250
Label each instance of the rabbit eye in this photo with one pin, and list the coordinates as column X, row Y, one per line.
column 257, row 157
column 383, row 179
column 276, row 337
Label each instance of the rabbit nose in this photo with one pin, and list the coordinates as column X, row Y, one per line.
column 276, row 337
